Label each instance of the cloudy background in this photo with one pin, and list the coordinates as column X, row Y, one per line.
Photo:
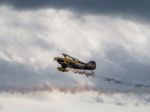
column 113, row 33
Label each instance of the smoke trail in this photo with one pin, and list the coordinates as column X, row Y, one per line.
column 82, row 72
column 116, row 81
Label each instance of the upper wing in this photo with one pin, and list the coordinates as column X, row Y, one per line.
column 72, row 58
column 66, row 55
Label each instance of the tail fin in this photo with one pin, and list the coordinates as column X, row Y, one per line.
column 92, row 64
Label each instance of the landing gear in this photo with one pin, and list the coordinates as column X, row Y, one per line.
column 62, row 69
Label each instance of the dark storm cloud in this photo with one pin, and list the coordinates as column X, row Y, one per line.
column 124, row 7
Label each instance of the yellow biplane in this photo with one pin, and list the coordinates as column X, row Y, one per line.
column 68, row 61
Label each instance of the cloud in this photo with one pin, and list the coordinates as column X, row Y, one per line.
column 30, row 39
column 51, row 101
column 115, row 7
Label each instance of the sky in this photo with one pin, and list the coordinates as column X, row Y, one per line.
column 113, row 33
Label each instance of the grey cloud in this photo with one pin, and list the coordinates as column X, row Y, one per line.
column 19, row 76
column 122, row 71
column 117, row 65
column 131, row 66
column 125, row 7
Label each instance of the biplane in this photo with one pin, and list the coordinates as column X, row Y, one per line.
column 68, row 61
